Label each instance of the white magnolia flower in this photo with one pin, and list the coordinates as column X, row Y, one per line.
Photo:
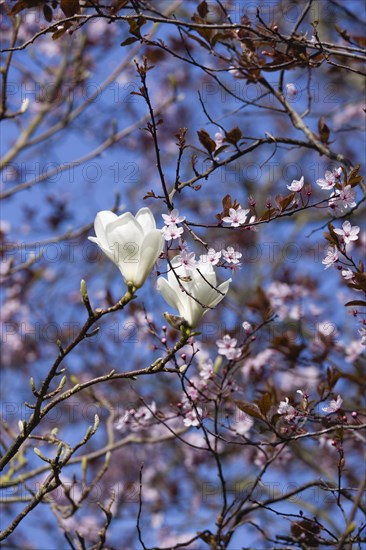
column 296, row 185
column 334, row 405
column 132, row 242
column 192, row 291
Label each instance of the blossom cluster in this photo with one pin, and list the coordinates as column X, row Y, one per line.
column 292, row 414
column 171, row 230
column 134, row 244
column 347, row 234
column 343, row 195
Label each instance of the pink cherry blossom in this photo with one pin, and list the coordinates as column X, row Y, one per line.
column 192, row 391
column 234, row 268
column 172, row 232
column 242, row 423
column 291, row 89
column 330, row 179
column 247, row 327
column 347, row 274
column 227, row 347
column 362, row 333
column 236, row 217
column 353, row 350
column 212, row 257
column 348, row 232
column 287, row 409
column 173, row 218
column 231, row 256
column 206, row 370
column 191, row 418
column 258, row 362
column 188, row 259
column 296, row 185
column 343, row 199
column 334, row 405
column 331, row 257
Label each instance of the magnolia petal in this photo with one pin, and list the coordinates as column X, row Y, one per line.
column 204, row 293
column 169, row 294
column 193, row 300
column 102, row 219
column 125, row 238
column 122, row 221
column 151, row 248
column 193, row 311
column 105, row 249
column 223, row 289
column 177, row 276
column 146, row 219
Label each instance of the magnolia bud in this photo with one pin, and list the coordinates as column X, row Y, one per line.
column 175, row 321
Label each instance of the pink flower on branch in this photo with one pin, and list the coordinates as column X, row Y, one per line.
column 334, row 405
column 345, row 198
column 291, row 90
column 172, row 232
column 227, row 347
column 296, row 185
column 348, row 232
column 206, row 370
column 347, row 274
column 188, row 259
column 191, row 417
column 236, row 217
column 173, row 218
column 330, row 179
column 331, row 257
column 287, row 409
column 231, row 256
column 212, row 257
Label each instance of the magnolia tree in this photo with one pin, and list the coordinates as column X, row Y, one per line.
column 183, row 306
